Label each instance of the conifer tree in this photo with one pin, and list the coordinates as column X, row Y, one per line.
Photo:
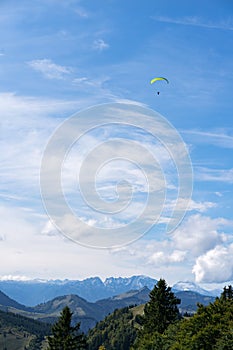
column 161, row 310
column 227, row 293
column 64, row 336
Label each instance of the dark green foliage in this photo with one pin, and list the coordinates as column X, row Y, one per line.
column 152, row 341
column 139, row 319
column 161, row 310
column 8, row 319
column 35, row 344
column 115, row 332
column 210, row 328
column 225, row 342
column 64, row 336
column 16, row 332
column 227, row 293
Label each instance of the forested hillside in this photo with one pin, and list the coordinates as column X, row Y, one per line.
column 116, row 331
column 159, row 326
column 210, row 328
column 18, row 332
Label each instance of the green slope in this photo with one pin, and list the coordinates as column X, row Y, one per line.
column 117, row 331
column 17, row 332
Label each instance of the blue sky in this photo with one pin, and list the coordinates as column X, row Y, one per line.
column 60, row 57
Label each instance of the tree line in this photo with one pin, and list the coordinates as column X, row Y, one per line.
column 160, row 326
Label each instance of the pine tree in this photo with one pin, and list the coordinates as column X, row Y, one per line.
column 64, row 336
column 161, row 310
column 227, row 293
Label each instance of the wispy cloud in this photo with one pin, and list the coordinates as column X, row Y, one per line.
column 97, row 82
column 49, row 69
column 100, row 45
column 199, row 207
column 31, row 121
column 81, row 12
column 220, row 138
column 194, row 21
column 19, row 107
column 218, row 175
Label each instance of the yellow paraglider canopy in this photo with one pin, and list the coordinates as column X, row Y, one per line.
column 158, row 78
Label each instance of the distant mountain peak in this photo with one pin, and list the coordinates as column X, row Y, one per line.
column 192, row 286
column 136, row 280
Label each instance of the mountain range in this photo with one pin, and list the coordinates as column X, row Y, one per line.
column 89, row 313
column 34, row 292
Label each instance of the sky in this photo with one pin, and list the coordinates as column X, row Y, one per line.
column 63, row 64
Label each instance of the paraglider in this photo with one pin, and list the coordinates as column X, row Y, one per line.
column 158, row 78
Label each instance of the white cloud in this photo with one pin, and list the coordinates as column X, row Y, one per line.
column 215, row 266
column 201, row 206
column 197, row 234
column 100, row 45
column 218, row 194
column 173, row 256
column 81, row 80
column 14, row 278
column 165, row 258
column 49, row 229
column 49, row 69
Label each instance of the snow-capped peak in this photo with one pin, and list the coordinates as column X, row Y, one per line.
column 191, row 286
